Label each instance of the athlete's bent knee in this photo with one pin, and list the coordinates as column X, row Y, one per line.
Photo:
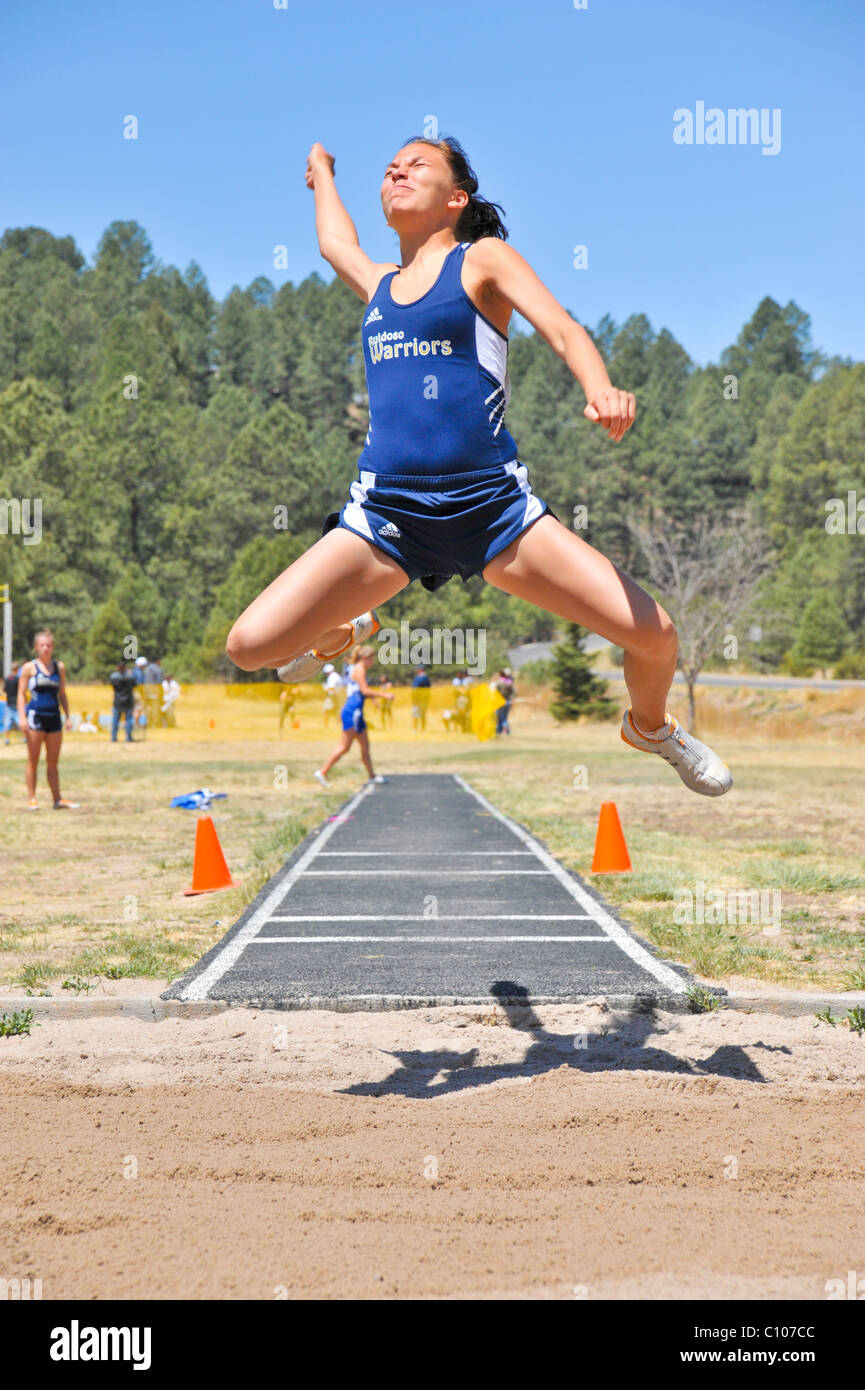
column 657, row 640
column 664, row 638
column 241, row 649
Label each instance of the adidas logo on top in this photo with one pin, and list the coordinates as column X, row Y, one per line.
column 374, row 316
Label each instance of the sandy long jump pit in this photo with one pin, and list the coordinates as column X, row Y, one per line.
column 569, row 1152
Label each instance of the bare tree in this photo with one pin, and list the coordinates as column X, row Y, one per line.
column 706, row 576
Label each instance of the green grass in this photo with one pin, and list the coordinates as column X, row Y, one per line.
column 20, row 1022
column 36, row 973
column 701, row 1000
column 78, row 985
column 125, row 955
column 798, row 878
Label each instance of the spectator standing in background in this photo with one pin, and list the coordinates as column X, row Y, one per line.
column 332, row 683
column 170, row 694
column 43, row 682
column 9, row 711
column 463, row 711
column 152, row 691
column 420, row 698
column 124, row 681
column 504, row 684
column 386, row 709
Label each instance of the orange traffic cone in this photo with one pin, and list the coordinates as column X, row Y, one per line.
column 209, row 869
column 611, row 852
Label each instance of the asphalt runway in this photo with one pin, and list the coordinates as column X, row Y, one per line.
column 420, row 892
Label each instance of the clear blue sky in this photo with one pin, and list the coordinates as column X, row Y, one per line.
column 567, row 117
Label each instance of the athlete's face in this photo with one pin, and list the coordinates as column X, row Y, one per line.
column 44, row 646
column 418, row 185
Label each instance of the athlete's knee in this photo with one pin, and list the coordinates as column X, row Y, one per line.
column 656, row 638
column 243, row 646
column 663, row 637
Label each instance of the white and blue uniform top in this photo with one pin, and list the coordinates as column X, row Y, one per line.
column 43, row 690
column 437, row 380
column 353, row 690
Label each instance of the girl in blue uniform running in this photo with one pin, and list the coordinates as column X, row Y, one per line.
column 440, row 488
column 41, row 692
column 354, row 727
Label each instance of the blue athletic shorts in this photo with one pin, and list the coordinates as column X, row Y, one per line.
column 43, row 723
column 352, row 716
column 438, row 527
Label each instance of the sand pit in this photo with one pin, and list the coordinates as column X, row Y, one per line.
column 434, row 1154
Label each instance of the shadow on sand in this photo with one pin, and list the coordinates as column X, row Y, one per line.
column 419, row 1073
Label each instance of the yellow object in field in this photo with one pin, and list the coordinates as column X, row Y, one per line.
column 485, row 702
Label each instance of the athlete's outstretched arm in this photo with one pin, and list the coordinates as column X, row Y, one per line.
column 337, row 234
column 512, row 278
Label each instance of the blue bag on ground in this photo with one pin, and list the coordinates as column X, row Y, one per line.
column 196, row 801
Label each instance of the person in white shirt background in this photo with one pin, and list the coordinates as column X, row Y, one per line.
column 332, row 682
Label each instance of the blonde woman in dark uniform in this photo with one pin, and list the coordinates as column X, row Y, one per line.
column 41, row 692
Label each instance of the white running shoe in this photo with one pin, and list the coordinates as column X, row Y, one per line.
column 310, row 664
column 320, row 777
column 699, row 768
column 377, row 778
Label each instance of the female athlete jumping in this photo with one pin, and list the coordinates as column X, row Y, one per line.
column 41, row 692
column 440, row 489
column 357, row 689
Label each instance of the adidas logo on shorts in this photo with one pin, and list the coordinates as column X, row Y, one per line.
column 389, row 530
column 374, row 316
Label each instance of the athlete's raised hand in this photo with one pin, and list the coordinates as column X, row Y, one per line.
column 613, row 409
column 318, row 158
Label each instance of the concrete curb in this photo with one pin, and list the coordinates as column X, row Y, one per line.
column 794, row 1003
column 787, row 1003
column 151, row 1010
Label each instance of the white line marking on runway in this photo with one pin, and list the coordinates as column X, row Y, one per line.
column 427, row 873
column 441, row 917
column 235, row 946
column 309, row 940
column 662, row 973
column 392, row 853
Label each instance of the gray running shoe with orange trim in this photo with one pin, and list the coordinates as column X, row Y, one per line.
column 699, row 768
column 311, row 663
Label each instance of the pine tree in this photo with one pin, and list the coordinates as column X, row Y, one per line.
column 106, row 637
column 822, row 636
column 578, row 689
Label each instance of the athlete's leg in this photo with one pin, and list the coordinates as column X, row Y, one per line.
column 312, row 602
column 339, row 751
column 550, row 566
column 52, row 755
column 363, row 740
column 35, row 739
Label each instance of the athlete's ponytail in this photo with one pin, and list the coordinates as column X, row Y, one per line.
column 479, row 217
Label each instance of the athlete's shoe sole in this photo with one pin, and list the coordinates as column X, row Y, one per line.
column 321, row 779
column 311, row 663
column 699, row 768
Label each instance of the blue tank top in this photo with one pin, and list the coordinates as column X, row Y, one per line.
column 353, row 692
column 44, row 691
column 436, row 375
